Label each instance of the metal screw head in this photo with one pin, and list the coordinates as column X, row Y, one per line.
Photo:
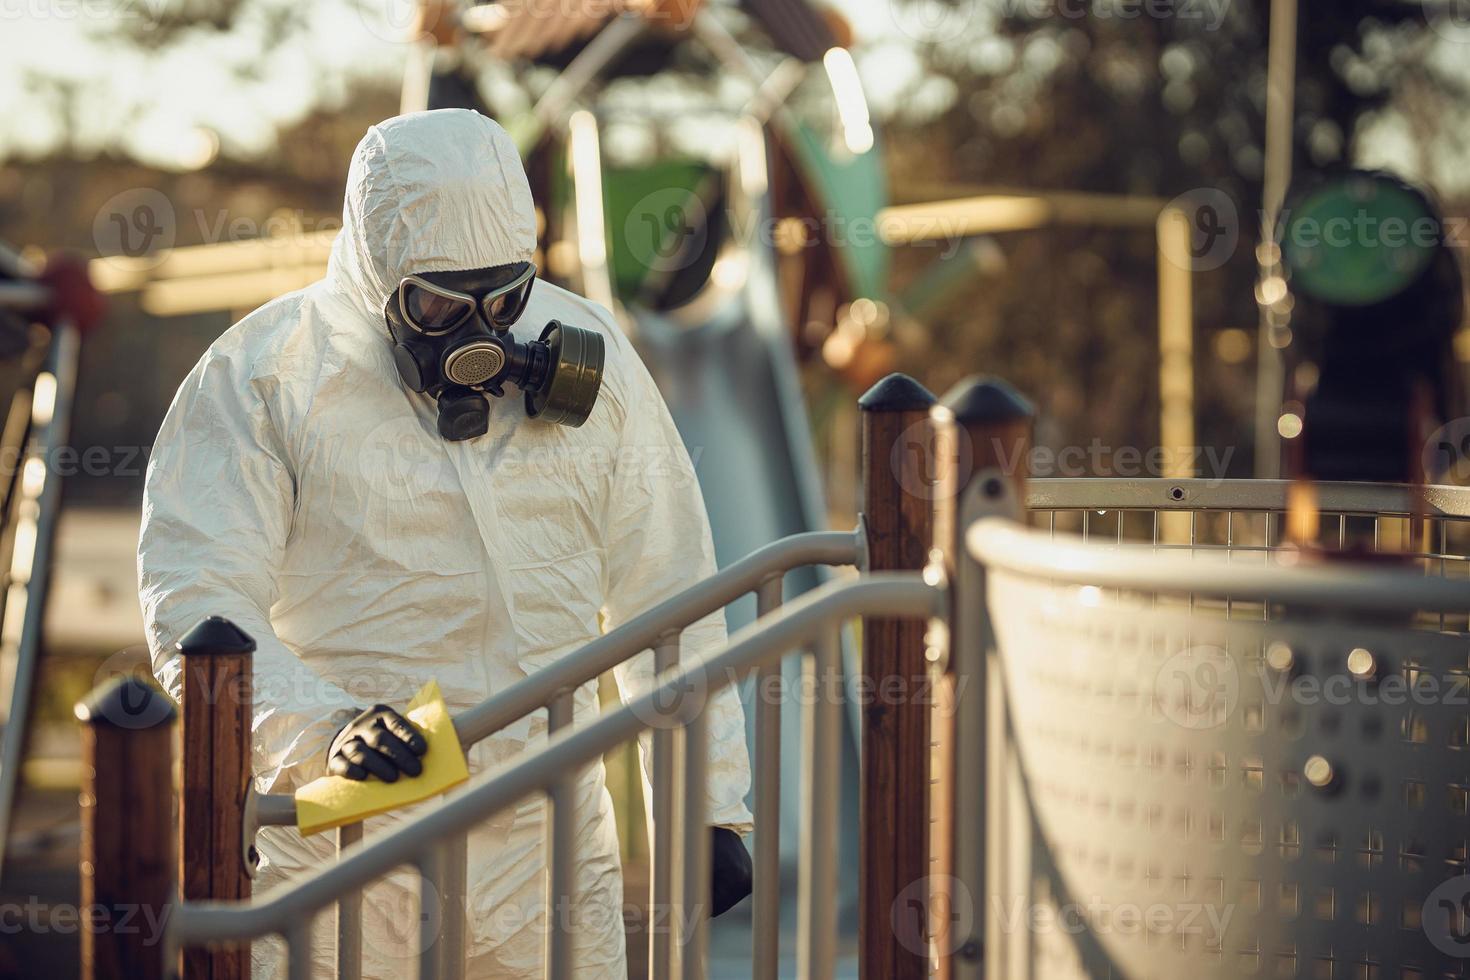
column 1176, row 493
column 1280, row 658
column 1362, row 664
column 1319, row 772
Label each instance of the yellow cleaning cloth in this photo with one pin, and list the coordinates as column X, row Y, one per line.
column 333, row 801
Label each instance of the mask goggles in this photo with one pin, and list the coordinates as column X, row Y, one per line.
column 433, row 309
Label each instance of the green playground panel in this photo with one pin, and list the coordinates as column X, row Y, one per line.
column 1358, row 241
column 641, row 210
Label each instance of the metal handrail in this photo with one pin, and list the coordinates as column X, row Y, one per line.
column 658, row 629
column 24, row 297
column 1001, row 544
column 642, row 632
column 812, row 619
column 52, row 393
column 1369, row 499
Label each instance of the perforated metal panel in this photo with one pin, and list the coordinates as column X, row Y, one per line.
column 1191, row 785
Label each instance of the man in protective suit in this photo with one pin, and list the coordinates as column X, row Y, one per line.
column 300, row 488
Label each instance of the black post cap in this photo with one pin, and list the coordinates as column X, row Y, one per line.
column 215, row 635
column 897, row 393
column 979, row 399
column 126, row 702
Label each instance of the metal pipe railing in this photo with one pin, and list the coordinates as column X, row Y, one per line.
column 821, row 736
column 765, row 916
column 298, row 949
column 761, row 571
column 349, row 912
column 36, row 511
column 431, row 887
column 1009, row 547
column 813, row 619
column 24, row 297
column 1369, row 499
column 456, row 881
column 561, row 848
column 661, row 924
column 643, row 632
column 692, row 908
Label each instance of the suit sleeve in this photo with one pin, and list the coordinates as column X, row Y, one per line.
column 658, row 543
column 217, row 509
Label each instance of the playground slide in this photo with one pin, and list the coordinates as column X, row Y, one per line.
column 731, row 385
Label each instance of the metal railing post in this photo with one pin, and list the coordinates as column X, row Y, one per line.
column 982, row 447
column 816, row 934
column 765, row 914
column 35, row 500
column 661, row 922
column 216, row 860
column 693, row 905
column 349, row 912
column 127, row 854
column 893, row 822
column 431, row 864
column 561, row 850
column 456, row 881
column 298, row 950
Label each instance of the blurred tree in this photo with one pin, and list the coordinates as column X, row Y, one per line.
column 1126, row 97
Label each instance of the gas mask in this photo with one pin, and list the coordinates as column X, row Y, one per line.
column 452, row 340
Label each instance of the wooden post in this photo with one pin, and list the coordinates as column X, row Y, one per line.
column 982, row 432
column 893, row 821
column 216, row 861
column 127, row 858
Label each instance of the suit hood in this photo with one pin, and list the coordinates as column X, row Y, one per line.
column 430, row 191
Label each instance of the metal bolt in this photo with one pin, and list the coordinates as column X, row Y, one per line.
column 1176, row 493
column 1362, row 664
column 1280, row 658
column 1319, row 772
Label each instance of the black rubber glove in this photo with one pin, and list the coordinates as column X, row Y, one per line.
column 730, row 872
column 378, row 742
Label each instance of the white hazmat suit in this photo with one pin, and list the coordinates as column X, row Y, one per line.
column 300, row 490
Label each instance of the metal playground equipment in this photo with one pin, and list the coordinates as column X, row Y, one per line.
column 1245, row 699
column 43, row 312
